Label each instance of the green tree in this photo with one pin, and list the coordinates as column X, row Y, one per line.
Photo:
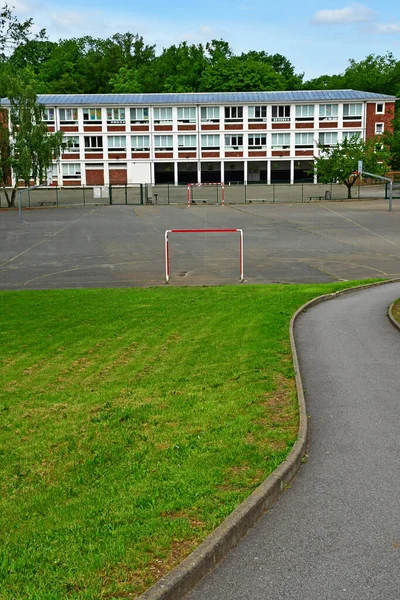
column 27, row 149
column 237, row 75
column 14, row 32
column 340, row 163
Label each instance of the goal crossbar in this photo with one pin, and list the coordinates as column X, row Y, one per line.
column 168, row 231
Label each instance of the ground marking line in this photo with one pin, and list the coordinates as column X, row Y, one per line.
column 45, row 239
column 109, row 265
column 358, row 225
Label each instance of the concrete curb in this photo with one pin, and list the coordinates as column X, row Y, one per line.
column 178, row 582
column 393, row 321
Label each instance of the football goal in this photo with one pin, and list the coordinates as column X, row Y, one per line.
column 216, row 197
column 169, row 231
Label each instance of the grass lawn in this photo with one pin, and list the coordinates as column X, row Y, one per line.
column 131, row 423
column 396, row 311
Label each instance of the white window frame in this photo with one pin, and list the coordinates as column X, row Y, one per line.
column 71, row 170
column 93, row 147
column 328, row 112
column 333, row 135
column 234, row 141
column 48, row 114
column 210, row 141
column 257, row 141
column 162, row 114
column 353, row 110
column 112, row 139
column 139, row 114
column 163, row 143
column 257, row 113
column 233, row 114
column 304, row 139
column 68, row 116
column 186, row 114
column 187, row 142
column 381, row 127
column 280, row 141
column 92, row 115
column 281, row 113
column 305, row 112
column 73, row 143
column 210, row 114
column 380, row 112
column 349, row 135
column 115, row 115
column 140, row 143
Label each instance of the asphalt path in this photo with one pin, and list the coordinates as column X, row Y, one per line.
column 335, row 534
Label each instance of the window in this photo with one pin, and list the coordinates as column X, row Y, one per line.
column 91, row 115
column 68, row 115
column 257, row 141
column 304, row 140
column 187, row 141
column 163, row 142
column 48, row 115
column 379, row 108
column 115, row 115
column 93, row 143
column 210, row 114
column 352, row 111
column 350, row 135
column 328, row 139
column 281, row 141
column 140, row 143
column 187, row 114
column 280, row 113
column 117, row 142
column 233, row 113
column 328, row 112
column 71, row 143
column 257, row 113
column 139, row 115
column 305, row 112
column 210, row 142
column 379, row 128
column 234, row 141
column 162, row 115
column 71, row 170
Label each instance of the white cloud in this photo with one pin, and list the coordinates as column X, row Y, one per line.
column 388, row 28
column 355, row 13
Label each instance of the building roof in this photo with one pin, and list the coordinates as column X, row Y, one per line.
column 211, row 98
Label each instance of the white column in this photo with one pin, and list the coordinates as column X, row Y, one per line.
column 269, row 171
column 292, row 171
column 245, row 171
column 175, row 173
column 222, row 171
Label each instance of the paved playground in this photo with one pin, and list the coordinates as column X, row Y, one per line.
column 123, row 246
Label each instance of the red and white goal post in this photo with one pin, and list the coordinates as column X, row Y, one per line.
column 192, row 185
column 168, row 231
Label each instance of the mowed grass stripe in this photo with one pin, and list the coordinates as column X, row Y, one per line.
column 131, row 423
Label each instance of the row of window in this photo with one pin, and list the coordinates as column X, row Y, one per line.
column 208, row 141
column 188, row 114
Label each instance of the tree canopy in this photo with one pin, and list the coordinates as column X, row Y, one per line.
column 340, row 162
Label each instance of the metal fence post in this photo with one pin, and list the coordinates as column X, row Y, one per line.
column 110, row 193
column 168, row 193
column 126, row 194
column 141, row 193
column 84, row 195
column 245, row 193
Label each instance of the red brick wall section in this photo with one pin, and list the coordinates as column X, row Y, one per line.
column 257, row 153
column 233, row 126
column 281, row 125
column 210, row 127
column 69, row 182
column 186, row 127
column 118, row 176
column 304, row 125
column 328, row 125
column 95, row 177
column 373, row 118
column 140, row 127
column 115, row 127
column 236, row 153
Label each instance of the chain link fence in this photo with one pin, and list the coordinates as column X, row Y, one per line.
column 164, row 194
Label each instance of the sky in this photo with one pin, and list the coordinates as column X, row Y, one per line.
column 318, row 37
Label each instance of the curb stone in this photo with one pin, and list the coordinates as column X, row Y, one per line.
column 393, row 321
column 178, row 582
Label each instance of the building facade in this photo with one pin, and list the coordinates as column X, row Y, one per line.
column 206, row 138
